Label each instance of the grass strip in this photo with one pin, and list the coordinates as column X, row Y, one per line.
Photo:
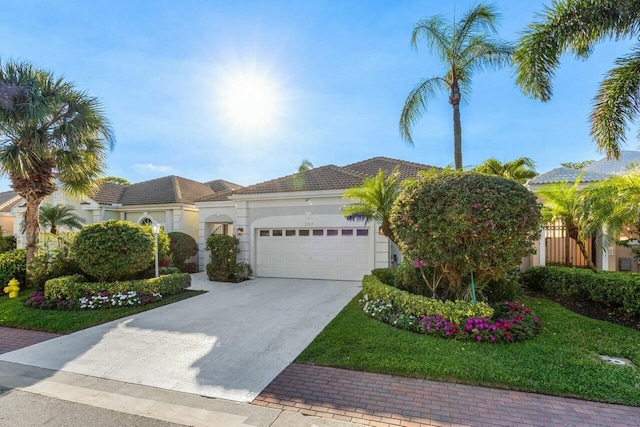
column 562, row 360
column 14, row 314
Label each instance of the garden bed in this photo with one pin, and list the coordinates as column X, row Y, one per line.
column 562, row 360
column 14, row 314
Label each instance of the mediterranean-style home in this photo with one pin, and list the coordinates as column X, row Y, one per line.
column 294, row 227
column 168, row 201
column 291, row 226
column 552, row 246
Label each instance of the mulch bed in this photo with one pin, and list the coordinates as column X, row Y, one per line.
column 599, row 312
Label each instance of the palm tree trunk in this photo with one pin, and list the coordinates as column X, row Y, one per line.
column 586, row 256
column 387, row 231
column 32, row 229
column 454, row 100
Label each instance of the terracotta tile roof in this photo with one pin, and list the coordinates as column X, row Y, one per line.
column 8, row 199
column 217, row 197
column 220, row 185
column 109, row 193
column 332, row 177
column 165, row 190
column 371, row 167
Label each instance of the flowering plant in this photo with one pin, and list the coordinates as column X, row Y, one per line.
column 98, row 300
column 511, row 322
column 105, row 300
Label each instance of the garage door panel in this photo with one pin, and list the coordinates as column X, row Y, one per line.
column 337, row 254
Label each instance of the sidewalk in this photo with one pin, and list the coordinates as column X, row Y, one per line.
column 14, row 339
column 386, row 400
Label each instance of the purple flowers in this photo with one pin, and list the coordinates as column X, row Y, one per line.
column 512, row 321
column 417, row 263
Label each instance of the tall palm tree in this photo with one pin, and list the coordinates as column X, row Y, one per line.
column 55, row 216
column 50, row 134
column 463, row 47
column 576, row 26
column 564, row 202
column 374, row 200
column 520, row 169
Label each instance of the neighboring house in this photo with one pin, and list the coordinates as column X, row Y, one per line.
column 168, row 200
column 293, row 226
column 551, row 246
column 8, row 199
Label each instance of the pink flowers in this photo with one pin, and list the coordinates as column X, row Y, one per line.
column 417, row 263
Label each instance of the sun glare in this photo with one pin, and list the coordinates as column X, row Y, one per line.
column 250, row 101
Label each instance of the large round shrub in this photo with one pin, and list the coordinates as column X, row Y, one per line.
column 114, row 250
column 182, row 247
column 460, row 223
column 13, row 265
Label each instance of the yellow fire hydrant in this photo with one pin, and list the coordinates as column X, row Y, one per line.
column 12, row 288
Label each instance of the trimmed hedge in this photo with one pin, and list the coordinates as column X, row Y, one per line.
column 74, row 287
column 182, row 246
column 114, row 249
column 612, row 288
column 13, row 265
column 454, row 311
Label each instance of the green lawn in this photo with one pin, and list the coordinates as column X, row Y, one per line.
column 14, row 314
column 562, row 360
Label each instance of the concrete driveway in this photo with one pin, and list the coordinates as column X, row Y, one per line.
column 228, row 343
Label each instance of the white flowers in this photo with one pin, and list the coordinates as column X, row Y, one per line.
column 104, row 300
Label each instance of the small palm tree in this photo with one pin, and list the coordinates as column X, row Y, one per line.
column 55, row 216
column 464, row 47
column 114, row 180
column 564, row 202
column 615, row 204
column 305, row 165
column 375, row 199
column 520, row 169
column 50, row 133
column 576, row 26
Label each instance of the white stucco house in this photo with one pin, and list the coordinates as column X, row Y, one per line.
column 168, row 201
column 290, row 227
column 293, row 226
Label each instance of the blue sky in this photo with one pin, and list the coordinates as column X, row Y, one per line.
column 340, row 72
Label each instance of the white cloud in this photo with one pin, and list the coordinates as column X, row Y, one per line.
column 150, row 167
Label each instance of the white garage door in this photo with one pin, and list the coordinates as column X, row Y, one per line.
column 314, row 253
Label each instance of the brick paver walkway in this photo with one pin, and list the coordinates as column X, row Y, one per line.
column 14, row 339
column 386, row 400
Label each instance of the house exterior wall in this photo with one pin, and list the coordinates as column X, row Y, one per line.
column 312, row 209
column 6, row 222
column 190, row 223
column 212, row 213
column 157, row 216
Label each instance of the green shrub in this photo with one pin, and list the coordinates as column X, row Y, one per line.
column 614, row 289
column 463, row 223
column 182, row 247
column 506, row 288
column 163, row 271
column 114, row 249
column 223, row 257
column 241, row 272
column 74, row 287
column 13, row 264
column 53, row 259
column 385, row 275
column 7, row 243
column 420, row 306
